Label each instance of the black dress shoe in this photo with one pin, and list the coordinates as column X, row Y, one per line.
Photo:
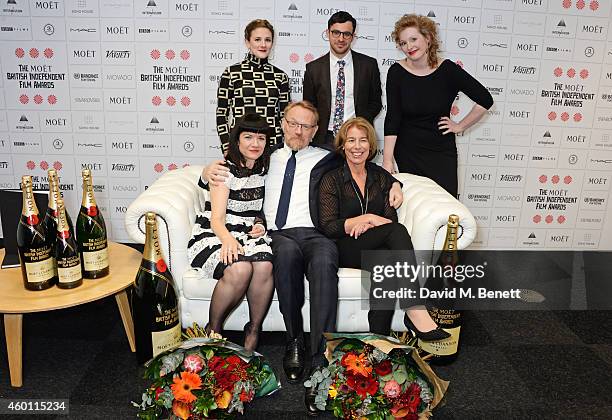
column 437, row 334
column 310, row 396
column 293, row 361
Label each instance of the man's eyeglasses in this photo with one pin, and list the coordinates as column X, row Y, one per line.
column 295, row 124
column 336, row 34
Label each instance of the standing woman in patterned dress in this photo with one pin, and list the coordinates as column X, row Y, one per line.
column 253, row 86
column 229, row 241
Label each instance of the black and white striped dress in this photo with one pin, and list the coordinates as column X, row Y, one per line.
column 244, row 206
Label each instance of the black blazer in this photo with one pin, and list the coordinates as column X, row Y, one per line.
column 367, row 90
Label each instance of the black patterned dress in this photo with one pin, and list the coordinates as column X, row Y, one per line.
column 244, row 206
column 252, row 86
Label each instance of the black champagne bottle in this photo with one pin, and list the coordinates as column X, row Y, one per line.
column 35, row 256
column 69, row 274
column 91, row 233
column 154, row 300
column 443, row 310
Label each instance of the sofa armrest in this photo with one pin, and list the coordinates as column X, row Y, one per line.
column 425, row 212
column 175, row 197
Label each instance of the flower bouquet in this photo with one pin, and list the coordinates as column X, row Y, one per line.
column 205, row 377
column 373, row 377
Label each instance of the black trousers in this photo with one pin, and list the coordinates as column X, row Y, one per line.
column 299, row 251
column 392, row 236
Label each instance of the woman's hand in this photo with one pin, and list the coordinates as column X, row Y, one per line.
column 449, row 126
column 230, row 248
column 216, row 173
column 389, row 166
column 359, row 228
column 257, row 230
column 375, row 220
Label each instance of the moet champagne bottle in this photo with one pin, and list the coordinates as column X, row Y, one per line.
column 35, row 257
column 154, row 300
column 91, row 233
column 51, row 213
column 442, row 310
column 69, row 273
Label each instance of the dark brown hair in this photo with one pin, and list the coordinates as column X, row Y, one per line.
column 257, row 23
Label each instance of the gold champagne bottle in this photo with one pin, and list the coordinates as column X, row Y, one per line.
column 91, row 233
column 154, row 300
column 442, row 310
column 35, row 256
column 69, row 273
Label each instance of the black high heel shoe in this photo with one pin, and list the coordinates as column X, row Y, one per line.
column 436, row 334
column 248, row 330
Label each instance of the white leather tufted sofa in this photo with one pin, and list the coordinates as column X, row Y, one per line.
column 176, row 197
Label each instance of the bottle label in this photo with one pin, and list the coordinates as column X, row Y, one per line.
column 96, row 260
column 443, row 347
column 164, row 340
column 69, row 274
column 40, row 271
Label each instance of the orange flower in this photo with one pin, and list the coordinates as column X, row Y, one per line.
column 182, row 387
column 223, row 399
column 181, row 410
column 357, row 364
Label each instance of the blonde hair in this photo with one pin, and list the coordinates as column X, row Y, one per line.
column 303, row 104
column 362, row 124
column 426, row 27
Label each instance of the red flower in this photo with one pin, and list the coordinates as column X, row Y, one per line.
column 383, row 368
column 247, row 396
column 158, row 392
column 215, row 363
column 412, row 397
column 363, row 385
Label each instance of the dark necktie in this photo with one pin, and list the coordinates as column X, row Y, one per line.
column 285, row 197
column 340, row 90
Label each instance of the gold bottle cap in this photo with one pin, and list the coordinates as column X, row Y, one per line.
column 26, row 180
column 86, row 173
column 453, row 219
column 150, row 218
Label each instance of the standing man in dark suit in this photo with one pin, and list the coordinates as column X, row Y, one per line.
column 343, row 83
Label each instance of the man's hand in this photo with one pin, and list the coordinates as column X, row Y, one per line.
column 396, row 196
column 257, row 230
column 216, row 173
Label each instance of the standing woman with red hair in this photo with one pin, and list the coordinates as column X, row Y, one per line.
column 419, row 134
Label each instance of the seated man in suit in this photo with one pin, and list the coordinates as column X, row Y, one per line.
column 343, row 83
column 291, row 212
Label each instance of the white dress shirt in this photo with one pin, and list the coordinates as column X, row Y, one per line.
column 299, row 207
column 349, row 83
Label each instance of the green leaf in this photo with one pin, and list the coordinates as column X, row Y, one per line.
column 400, row 375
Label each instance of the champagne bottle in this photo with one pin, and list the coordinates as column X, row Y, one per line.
column 37, row 265
column 91, row 233
column 51, row 213
column 154, row 300
column 69, row 274
column 442, row 310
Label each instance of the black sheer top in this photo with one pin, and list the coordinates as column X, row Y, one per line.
column 341, row 199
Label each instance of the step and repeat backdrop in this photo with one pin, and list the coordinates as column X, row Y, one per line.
column 128, row 89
